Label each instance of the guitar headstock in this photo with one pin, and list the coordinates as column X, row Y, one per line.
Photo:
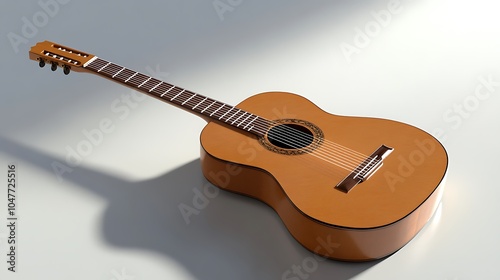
column 59, row 56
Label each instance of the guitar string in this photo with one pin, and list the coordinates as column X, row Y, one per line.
column 341, row 147
column 357, row 166
column 290, row 141
column 305, row 136
column 293, row 141
column 110, row 71
column 308, row 161
column 286, row 140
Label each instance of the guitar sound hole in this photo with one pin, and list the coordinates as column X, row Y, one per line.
column 290, row 136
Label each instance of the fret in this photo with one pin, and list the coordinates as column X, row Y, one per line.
column 194, row 94
column 103, row 67
column 161, row 87
column 125, row 74
column 233, row 115
column 176, row 95
column 249, row 115
column 156, row 86
column 167, row 92
column 95, row 64
column 110, row 69
column 250, row 123
column 208, row 107
column 238, row 118
column 199, row 103
column 217, row 109
column 164, row 87
column 150, row 83
column 123, row 68
column 226, row 113
column 131, row 77
column 144, row 82
column 139, row 79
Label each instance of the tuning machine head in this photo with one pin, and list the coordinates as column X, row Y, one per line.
column 66, row 69
column 53, row 67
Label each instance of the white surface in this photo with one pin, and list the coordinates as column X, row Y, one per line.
column 116, row 215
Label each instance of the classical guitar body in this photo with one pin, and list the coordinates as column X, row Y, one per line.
column 346, row 188
column 372, row 220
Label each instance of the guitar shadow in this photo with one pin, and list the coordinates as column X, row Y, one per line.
column 228, row 236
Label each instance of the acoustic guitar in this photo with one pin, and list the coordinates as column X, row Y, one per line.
column 346, row 188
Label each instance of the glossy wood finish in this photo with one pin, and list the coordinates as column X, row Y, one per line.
column 370, row 221
column 373, row 220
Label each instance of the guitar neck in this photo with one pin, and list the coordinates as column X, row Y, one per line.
column 207, row 108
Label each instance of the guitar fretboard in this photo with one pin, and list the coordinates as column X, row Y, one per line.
column 196, row 103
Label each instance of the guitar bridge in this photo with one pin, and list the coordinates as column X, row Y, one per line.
column 364, row 170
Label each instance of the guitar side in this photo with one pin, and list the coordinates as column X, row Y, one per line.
column 375, row 219
column 347, row 188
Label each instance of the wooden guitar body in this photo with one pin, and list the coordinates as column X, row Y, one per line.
column 347, row 188
column 374, row 219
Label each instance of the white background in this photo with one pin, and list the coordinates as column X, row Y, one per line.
column 116, row 215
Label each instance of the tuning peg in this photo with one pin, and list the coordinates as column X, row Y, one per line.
column 66, row 69
column 54, row 66
column 41, row 63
